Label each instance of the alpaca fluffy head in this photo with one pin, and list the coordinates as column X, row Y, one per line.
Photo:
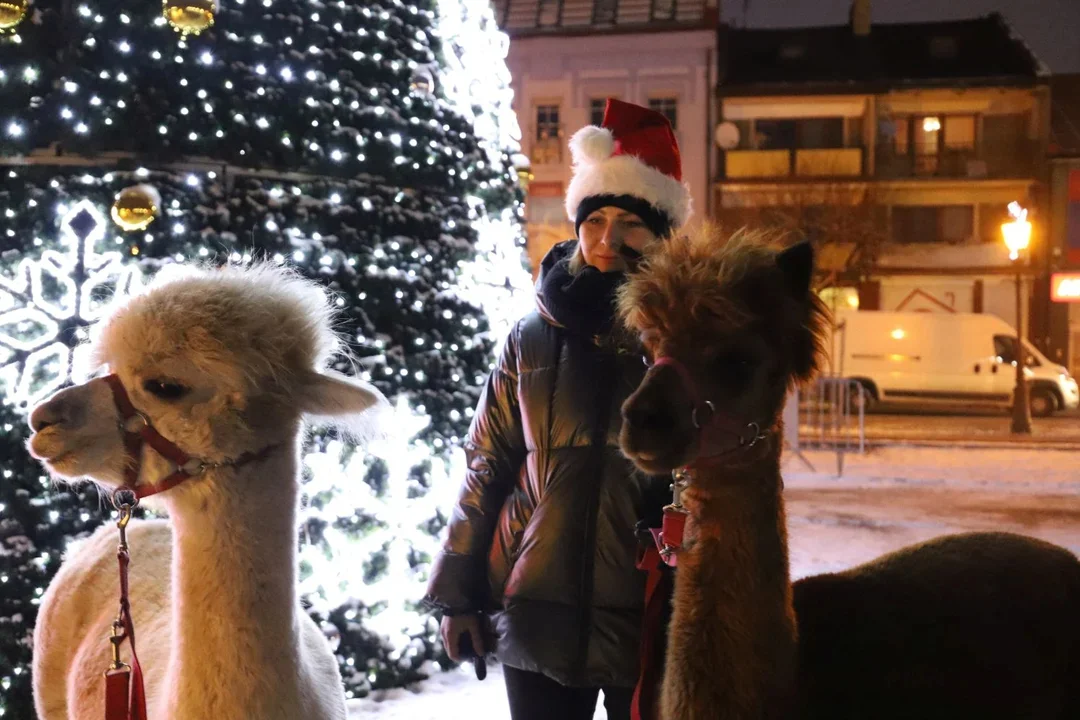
column 737, row 310
column 221, row 361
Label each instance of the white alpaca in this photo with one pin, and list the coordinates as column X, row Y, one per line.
column 222, row 363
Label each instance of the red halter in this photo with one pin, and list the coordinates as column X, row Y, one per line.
column 125, row 698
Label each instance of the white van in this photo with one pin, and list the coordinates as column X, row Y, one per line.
column 938, row 359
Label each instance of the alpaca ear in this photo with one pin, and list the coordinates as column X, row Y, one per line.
column 797, row 264
column 350, row 404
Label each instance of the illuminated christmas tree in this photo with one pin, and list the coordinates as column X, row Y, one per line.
column 367, row 144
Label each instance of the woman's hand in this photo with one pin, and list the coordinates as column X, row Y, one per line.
column 454, row 626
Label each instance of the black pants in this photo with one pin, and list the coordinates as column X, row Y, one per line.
column 537, row 697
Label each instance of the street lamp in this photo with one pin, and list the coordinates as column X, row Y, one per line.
column 1017, row 234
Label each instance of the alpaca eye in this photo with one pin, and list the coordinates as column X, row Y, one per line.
column 165, row 390
column 647, row 360
column 733, row 363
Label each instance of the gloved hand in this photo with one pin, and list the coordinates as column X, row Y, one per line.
column 463, row 636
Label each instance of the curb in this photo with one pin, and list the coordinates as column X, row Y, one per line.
column 968, row 443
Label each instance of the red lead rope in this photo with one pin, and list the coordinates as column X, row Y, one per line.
column 125, row 698
column 658, row 585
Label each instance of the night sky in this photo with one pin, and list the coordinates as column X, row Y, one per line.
column 1050, row 27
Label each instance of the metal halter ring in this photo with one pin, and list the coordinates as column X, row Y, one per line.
column 128, row 425
column 694, row 415
column 124, row 496
column 194, row 466
column 755, row 435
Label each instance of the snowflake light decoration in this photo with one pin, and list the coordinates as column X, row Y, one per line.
column 48, row 306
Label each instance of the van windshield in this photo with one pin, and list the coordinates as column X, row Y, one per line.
column 1005, row 349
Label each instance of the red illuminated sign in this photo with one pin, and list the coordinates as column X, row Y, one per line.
column 1065, row 287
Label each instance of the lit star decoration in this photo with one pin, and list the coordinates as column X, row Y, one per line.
column 56, row 293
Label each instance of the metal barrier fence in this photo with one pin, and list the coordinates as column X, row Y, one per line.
column 827, row 415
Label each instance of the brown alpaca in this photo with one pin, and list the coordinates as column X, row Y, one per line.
column 974, row 626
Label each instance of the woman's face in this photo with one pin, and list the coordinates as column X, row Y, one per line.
column 605, row 231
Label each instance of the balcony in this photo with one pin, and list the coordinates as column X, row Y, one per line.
column 547, row 148
column 524, row 17
column 773, row 164
column 1013, row 160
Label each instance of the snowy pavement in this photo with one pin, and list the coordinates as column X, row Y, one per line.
column 886, row 499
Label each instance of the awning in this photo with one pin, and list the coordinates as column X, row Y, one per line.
column 793, row 107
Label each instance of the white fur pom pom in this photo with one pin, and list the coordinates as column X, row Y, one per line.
column 592, row 144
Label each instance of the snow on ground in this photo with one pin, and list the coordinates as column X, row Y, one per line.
column 884, row 500
column 453, row 695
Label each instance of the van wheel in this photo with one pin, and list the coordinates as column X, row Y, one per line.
column 1042, row 402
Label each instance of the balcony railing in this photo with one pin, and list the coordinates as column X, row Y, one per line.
column 767, row 164
column 1016, row 159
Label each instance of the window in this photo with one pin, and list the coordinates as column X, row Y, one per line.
column 604, row 12
column 926, row 135
column 991, row 217
column 663, row 10
column 956, row 223
column 808, row 134
column 1005, row 349
column 774, row 134
column 746, row 134
column 932, row 223
column 547, row 122
column 596, row 110
column 666, row 106
column 547, row 13
column 901, row 136
column 960, row 132
column 854, row 132
column 818, row 133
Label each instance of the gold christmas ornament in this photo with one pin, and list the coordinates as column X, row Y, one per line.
column 189, row 17
column 136, row 207
column 13, row 12
column 525, row 176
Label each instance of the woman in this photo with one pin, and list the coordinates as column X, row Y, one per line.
column 542, row 538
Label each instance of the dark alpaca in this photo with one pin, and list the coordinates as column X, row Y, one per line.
column 981, row 625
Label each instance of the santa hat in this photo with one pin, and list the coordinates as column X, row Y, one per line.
column 631, row 161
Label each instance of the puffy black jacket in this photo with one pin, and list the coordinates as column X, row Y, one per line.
column 542, row 536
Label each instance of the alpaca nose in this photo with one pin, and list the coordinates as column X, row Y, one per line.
column 650, row 413
column 51, row 412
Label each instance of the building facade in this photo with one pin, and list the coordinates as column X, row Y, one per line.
column 1063, row 292
column 568, row 56
column 898, row 149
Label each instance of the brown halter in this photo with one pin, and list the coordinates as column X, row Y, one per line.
column 719, row 434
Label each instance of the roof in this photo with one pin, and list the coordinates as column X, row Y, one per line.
column 980, row 51
column 1065, row 114
column 580, row 17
